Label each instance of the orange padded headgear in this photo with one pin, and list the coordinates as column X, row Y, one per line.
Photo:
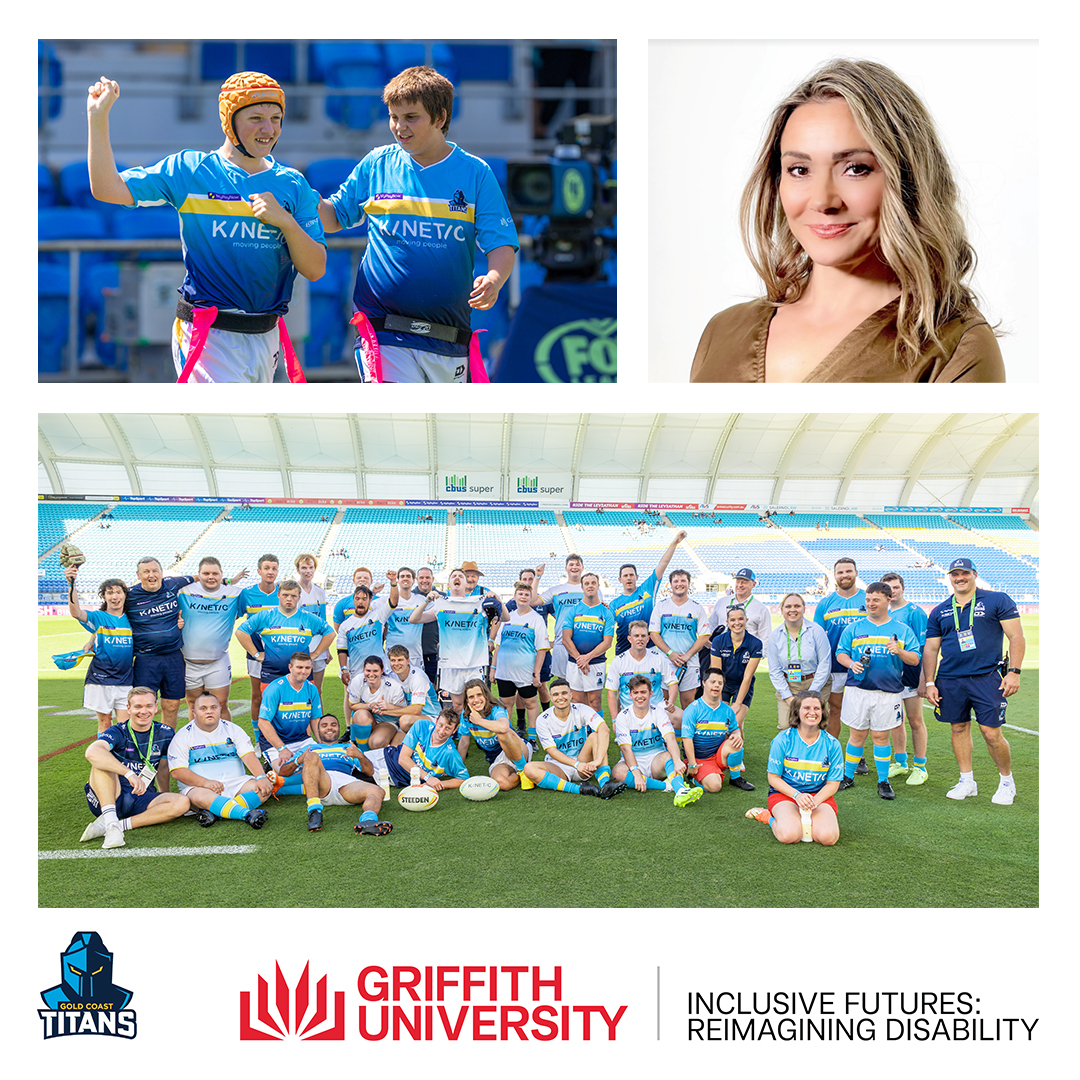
column 241, row 90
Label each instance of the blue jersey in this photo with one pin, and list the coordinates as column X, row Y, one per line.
column 558, row 600
column 209, row 619
column 283, row 635
column 424, row 226
column 442, row 760
column 731, row 660
column 252, row 601
column 631, row 607
column 983, row 614
column 519, row 640
column 361, row 636
column 152, row 615
column 868, row 643
column 805, row 766
column 589, row 624
column 835, row 613
column 708, row 727
column 644, row 735
column 463, row 631
column 334, row 757
column 134, row 748
column 488, row 741
column 289, row 711
column 113, row 654
column 232, row 259
column 914, row 616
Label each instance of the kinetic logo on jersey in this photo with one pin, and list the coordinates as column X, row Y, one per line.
column 87, row 1001
column 293, row 1014
column 583, row 351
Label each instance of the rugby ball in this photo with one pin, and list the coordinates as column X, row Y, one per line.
column 479, row 788
column 420, row 797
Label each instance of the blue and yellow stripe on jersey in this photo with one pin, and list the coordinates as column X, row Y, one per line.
column 425, row 208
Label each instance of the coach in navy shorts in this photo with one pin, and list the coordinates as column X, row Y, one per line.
column 966, row 632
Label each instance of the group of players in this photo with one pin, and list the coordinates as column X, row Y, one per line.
column 426, row 673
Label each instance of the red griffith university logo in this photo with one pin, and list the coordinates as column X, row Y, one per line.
column 292, row 1011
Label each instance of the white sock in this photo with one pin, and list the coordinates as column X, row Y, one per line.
column 108, row 815
column 1006, row 779
column 968, row 776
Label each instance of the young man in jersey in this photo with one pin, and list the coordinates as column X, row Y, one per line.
column 560, row 598
column 576, row 740
column 904, row 611
column 429, row 746
column 420, row 696
column 521, row 647
column 211, row 759
column 209, row 609
column 965, row 633
column 111, row 671
column 362, row 634
column 650, row 754
column 643, row 659
column 329, row 771
column 834, row 614
column 677, row 629
column 313, row 601
column 429, row 205
column 588, row 629
column 283, row 631
column 758, row 617
column 712, row 739
column 637, row 600
column 129, row 774
column 429, row 640
column 262, row 596
column 874, row 650
column 290, row 705
column 399, row 631
column 371, row 693
column 248, row 226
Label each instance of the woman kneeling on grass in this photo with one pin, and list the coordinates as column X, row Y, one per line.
column 806, row 765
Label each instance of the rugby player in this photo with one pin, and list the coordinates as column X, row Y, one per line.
column 313, row 601
column 290, row 705
column 209, row 609
column 677, row 629
column 914, row 690
column 262, row 596
column 588, row 629
column 845, row 605
column 429, row 747
column 488, row 723
column 369, row 695
column 637, row 599
column 521, row 649
column 712, row 739
column 642, row 659
column 415, row 685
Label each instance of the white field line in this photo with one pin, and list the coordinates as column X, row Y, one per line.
column 120, row 853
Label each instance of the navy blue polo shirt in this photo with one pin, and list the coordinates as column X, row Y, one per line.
column 153, row 616
column 990, row 609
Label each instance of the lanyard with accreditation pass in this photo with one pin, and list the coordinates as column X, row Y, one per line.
column 966, row 638
column 148, row 771
column 794, row 671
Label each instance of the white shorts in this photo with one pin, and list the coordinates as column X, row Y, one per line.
column 873, row 709
column 645, row 761
column 593, row 679
column 571, row 773
column 453, row 679
column 338, row 780
column 502, row 759
column 274, row 752
column 254, row 668
column 231, row 784
column 104, row 699
column 560, row 659
column 691, row 679
column 228, row 357
column 214, row 674
column 839, row 681
column 908, row 692
column 402, row 365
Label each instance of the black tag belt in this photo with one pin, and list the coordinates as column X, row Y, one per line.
column 238, row 322
column 403, row 324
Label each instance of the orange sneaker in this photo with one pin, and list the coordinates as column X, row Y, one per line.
column 759, row 813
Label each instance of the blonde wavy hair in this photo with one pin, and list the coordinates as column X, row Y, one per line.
column 922, row 235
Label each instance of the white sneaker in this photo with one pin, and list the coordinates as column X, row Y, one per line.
column 114, row 836
column 1005, row 793
column 962, row 790
column 92, row 831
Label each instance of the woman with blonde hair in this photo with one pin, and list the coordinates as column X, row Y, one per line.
column 851, row 219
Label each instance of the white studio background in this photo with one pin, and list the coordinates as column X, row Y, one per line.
column 709, row 102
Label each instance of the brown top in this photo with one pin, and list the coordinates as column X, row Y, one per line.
column 732, row 349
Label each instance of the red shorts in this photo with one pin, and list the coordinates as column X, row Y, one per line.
column 777, row 797
column 708, row 766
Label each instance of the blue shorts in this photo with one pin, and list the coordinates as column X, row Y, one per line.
column 545, row 668
column 128, row 804
column 979, row 692
column 163, row 672
column 728, row 695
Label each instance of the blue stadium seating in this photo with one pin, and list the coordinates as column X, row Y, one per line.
column 50, row 73
column 150, row 222
column 326, row 175
column 54, row 286
column 46, row 185
column 355, row 64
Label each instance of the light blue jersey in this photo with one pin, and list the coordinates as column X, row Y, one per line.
column 679, row 625
column 567, row 736
column 913, row 616
column 630, row 607
column 417, row 688
column 805, row 766
column 290, row 711
column 252, row 601
column 424, row 226
column 232, row 259
column 708, row 727
column 519, row 640
column 334, row 757
column 488, row 741
column 463, row 631
column 399, row 631
column 643, row 734
column 835, row 613
column 362, row 636
column 209, row 620
column 588, row 626
column 114, row 656
column 868, row 643
column 282, row 635
column 441, row 761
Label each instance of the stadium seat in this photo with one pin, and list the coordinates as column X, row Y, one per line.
column 483, row 63
column 217, row 60
column 75, row 186
column 150, row 222
column 46, row 187
column 95, row 282
column 274, row 58
column 53, row 288
column 400, row 55
column 326, row 175
column 70, row 223
column 356, row 64
column 329, row 311
column 50, row 74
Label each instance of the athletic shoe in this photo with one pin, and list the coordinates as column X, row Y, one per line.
column 589, row 787
column 205, row 818
column 896, row 769
column 92, row 831
column 525, row 782
column 847, row 782
column 884, row 789
column 759, row 813
column 861, row 769
column 1005, row 793
column 687, row 795
column 611, row 789
column 256, row 818
column 741, row 783
column 962, row 790
column 114, row 836
column 918, row 776
column 276, row 783
column 372, row 828
column 314, row 820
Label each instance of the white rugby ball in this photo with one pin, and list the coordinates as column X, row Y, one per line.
column 479, row 788
column 421, row 797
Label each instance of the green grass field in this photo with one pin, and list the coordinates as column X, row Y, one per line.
column 541, row 849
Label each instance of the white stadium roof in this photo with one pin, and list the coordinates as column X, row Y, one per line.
column 840, row 459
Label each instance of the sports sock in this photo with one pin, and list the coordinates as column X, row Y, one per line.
column 968, row 776
column 314, row 804
column 369, row 815
column 603, row 775
column 250, row 799
column 108, row 815
column 677, row 782
column 918, row 762
column 550, row 781
column 901, row 759
column 1005, row 778
column 654, row 785
column 125, row 824
column 882, row 754
column 520, row 717
column 294, row 785
column 229, row 808
column 735, row 763
column 852, row 757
